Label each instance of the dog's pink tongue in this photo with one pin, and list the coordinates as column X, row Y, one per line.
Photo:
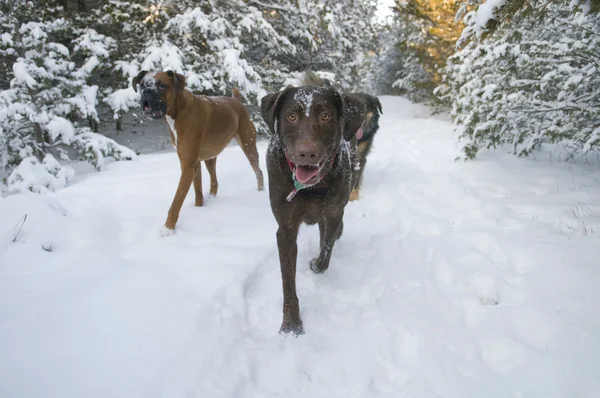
column 359, row 133
column 304, row 174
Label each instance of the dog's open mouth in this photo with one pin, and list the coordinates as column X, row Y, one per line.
column 307, row 173
column 150, row 113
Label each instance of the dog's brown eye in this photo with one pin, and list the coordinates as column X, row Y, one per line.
column 292, row 117
column 325, row 116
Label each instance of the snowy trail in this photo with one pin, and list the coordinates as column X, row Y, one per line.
column 452, row 280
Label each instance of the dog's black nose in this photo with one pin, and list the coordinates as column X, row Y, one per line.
column 308, row 152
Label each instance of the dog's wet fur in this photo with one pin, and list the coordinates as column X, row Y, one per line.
column 310, row 125
column 370, row 126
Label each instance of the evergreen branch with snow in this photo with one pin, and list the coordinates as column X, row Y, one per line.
column 531, row 83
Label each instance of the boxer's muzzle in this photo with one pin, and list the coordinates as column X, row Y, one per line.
column 152, row 104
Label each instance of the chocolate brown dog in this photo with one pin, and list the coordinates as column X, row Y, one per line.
column 310, row 162
column 201, row 127
column 366, row 133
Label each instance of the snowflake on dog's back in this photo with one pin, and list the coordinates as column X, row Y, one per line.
column 274, row 148
column 346, row 154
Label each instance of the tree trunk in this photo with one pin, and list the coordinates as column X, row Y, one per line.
column 39, row 137
column 93, row 123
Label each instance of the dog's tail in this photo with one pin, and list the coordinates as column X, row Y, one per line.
column 236, row 94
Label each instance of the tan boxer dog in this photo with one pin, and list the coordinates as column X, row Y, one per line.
column 201, row 127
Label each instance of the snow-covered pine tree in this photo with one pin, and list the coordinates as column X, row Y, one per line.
column 349, row 40
column 492, row 14
column 133, row 25
column 532, row 82
column 336, row 37
column 48, row 106
column 418, row 42
column 211, row 46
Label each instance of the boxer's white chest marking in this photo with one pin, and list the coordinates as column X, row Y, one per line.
column 171, row 123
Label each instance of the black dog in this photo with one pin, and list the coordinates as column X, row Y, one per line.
column 365, row 136
column 310, row 161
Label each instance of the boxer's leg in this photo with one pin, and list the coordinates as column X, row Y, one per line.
column 188, row 172
column 198, row 185
column 211, row 166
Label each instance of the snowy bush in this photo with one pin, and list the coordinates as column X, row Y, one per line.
column 94, row 148
column 533, row 82
column 122, row 100
column 39, row 177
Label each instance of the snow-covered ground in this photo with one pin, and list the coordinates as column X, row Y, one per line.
column 453, row 279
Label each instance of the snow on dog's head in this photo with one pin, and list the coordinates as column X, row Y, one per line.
column 304, row 96
column 149, row 80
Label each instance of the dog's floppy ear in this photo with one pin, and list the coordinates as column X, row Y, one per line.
column 136, row 80
column 378, row 105
column 178, row 80
column 372, row 102
column 353, row 114
column 269, row 106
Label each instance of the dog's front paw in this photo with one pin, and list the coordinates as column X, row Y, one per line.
column 165, row 232
column 293, row 327
column 317, row 266
column 353, row 195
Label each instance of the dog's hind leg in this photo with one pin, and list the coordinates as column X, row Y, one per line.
column 198, row 185
column 354, row 195
column 330, row 230
column 211, row 166
column 362, row 149
column 247, row 141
